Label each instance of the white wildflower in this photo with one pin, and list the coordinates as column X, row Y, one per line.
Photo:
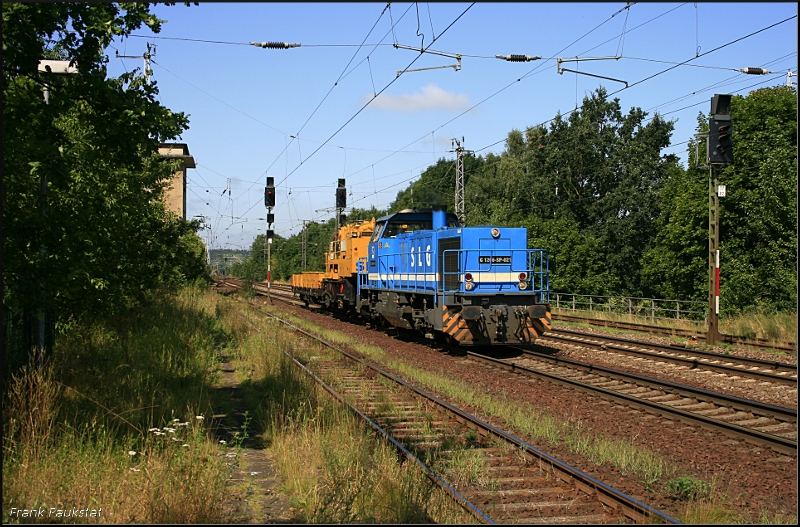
column 170, row 430
column 221, row 442
column 176, row 420
column 176, row 439
column 185, row 445
column 153, row 430
column 131, row 452
column 134, row 469
column 182, row 424
column 199, row 417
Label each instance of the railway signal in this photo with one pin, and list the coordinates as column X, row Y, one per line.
column 341, row 195
column 269, row 202
column 720, row 145
column 720, row 130
column 269, row 193
column 719, row 153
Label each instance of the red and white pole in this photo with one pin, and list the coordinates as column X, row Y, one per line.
column 716, row 280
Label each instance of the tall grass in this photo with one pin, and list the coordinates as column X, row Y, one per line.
column 704, row 504
column 111, row 421
column 777, row 326
column 332, row 465
column 781, row 326
column 649, row 466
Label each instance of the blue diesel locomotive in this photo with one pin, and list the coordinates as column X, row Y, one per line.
column 473, row 285
column 420, row 270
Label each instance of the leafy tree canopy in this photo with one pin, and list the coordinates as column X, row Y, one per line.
column 84, row 225
column 758, row 217
column 616, row 215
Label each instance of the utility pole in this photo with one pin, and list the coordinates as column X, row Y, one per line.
column 305, row 222
column 48, row 67
column 789, row 76
column 719, row 150
column 145, row 57
column 269, row 202
column 459, row 150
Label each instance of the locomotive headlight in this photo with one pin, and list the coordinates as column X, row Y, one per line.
column 522, row 276
column 469, row 286
column 523, row 285
column 495, row 233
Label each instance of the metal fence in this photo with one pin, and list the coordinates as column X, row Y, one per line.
column 646, row 308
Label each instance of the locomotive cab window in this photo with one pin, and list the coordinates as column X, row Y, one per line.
column 395, row 228
column 377, row 233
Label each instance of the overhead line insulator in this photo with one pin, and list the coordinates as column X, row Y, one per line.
column 755, row 71
column 275, row 45
column 517, row 58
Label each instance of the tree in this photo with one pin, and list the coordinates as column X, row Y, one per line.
column 676, row 267
column 106, row 238
column 758, row 217
column 597, row 169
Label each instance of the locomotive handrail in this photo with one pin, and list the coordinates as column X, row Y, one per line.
column 535, row 265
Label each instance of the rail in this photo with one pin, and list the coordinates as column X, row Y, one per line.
column 629, row 507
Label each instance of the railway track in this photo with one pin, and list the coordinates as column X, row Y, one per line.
column 758, row 423
column 788, row 347
column 518, row 483
column 755, row 422
column 762, row 370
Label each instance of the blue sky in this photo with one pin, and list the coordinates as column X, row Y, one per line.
column 299, row 114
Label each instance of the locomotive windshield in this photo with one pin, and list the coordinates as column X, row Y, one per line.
column 399, row 227
column 377, row 233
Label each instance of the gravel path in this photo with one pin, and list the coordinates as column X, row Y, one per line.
column 253, row 489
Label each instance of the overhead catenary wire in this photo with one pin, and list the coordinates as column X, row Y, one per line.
column 586, row 34
column 706, row 53
column 360, row 45
column 688, row 64
column 673, row 67
column 382, row 90
column 344, row 74
column 498, row 91
column 674, row 145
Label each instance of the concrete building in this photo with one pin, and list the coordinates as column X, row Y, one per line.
column 175, row 195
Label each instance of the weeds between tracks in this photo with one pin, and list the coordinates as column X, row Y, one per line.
column 331, row 463
column 652, row 469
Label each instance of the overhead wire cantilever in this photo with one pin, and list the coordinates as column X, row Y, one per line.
column 578, row 59
column 456, row 67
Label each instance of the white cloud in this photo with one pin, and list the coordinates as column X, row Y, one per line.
column 431, row 98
